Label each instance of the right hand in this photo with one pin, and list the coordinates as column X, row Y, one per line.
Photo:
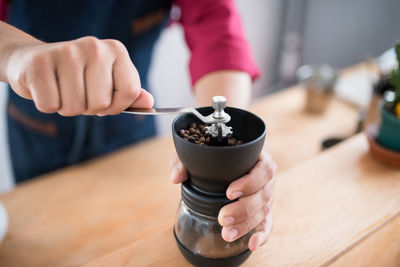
column 84, row 76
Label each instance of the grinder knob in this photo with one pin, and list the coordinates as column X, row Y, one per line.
column 219, row 129
column 219, row 103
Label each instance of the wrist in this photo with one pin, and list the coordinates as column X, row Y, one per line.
column 12, row 40
column 11, row 53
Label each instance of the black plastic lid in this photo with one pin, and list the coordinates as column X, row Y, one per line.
column 202, row 202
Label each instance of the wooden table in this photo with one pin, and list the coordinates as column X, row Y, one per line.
column 290, row 128
column 327, row 211
column 327, row 208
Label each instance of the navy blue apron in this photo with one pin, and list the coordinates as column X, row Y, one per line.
column 40, row 142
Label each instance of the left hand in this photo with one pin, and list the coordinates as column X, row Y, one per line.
column 252, row 210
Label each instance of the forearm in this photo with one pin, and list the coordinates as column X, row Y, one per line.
column 11, row 39
column 234, row 85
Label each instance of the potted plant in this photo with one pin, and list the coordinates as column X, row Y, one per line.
column 384, row 139
column 389, row 130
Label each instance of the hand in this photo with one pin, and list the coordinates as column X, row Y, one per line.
column 84, row 76
column 252, row 210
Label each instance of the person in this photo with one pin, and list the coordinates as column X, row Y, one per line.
column 66, row 60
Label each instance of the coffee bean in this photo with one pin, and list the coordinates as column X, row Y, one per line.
column 232, row 141
column 198, row 134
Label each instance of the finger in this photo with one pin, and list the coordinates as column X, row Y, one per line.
column 71, row 82
column 126, row 82
column 24, row 91
column 21, row 88
column 178, row 172
column 98, row 76
column 256, row 179
column 246, row 207
column 231, row 233
column 42, row 84
column 261, row 236
column 144, row 100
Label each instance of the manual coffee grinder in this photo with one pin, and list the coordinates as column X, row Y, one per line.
column 211, row 169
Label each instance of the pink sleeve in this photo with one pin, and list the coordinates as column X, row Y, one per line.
column 213, row 32
column 4, row 5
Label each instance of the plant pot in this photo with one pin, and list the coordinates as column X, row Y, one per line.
column 386, row 156
column 389, row 130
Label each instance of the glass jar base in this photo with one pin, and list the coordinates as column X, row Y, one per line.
column 200, row 261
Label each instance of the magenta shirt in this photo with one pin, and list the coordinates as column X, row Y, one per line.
column 214, row 35
column 4, row 5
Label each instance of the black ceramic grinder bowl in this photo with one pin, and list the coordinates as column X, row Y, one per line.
column 211, row 169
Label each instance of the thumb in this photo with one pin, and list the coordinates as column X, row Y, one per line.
column 178, row 172
column 144, row 100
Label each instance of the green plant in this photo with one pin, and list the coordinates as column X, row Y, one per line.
column 394, row 106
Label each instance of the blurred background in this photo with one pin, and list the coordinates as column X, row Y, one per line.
column 283, row 34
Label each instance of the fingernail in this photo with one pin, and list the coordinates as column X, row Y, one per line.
column 236, row 195
column 228, row 220
column 101, row 114
column 259, row 241
column 232, row 233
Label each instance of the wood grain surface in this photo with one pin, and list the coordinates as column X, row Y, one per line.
column 382, row 248
column 125, row 200
column 290, row 127
column 80, row 213
column 324, row 209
